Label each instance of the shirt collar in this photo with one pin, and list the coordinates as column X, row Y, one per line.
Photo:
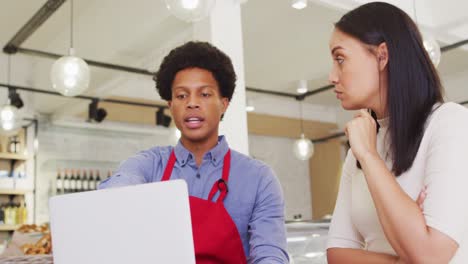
column 216, row 154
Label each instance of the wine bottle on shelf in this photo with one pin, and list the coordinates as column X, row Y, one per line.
column 85, row 184
column 2, row 214
column 79, row 182
column 72, row 182
column 98, row 179
column 92, row 181
column 66, row 183
column 59, row 183
column 24, row 213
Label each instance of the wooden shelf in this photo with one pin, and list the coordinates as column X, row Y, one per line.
column 12, row 156
column 8, row 227
column 14, row 191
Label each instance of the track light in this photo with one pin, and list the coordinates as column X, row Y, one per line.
column 302, row 87
column 15, row 98
column 94, row 113
column 249, row 107
column 162, row 119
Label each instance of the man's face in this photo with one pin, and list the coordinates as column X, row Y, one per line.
column 197, row 104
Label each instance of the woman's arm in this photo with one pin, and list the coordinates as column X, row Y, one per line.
column 401, row 218
column 358, row 256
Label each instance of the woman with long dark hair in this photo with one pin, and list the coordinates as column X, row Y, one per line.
column 409, row 143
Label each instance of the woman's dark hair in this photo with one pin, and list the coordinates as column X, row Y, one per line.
column 196, row 54
column 413, row 82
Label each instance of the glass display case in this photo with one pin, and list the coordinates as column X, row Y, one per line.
column 307, row 242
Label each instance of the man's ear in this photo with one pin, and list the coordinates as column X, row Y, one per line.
column 225, row 102
column 382, row 55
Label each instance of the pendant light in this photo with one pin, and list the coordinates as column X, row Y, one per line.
column 430, row 43
column 303, row 148
column 433, row 48
column 10, row 119
column 70, row 74
column 190, row 10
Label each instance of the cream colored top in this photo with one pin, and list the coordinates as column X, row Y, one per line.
column 440, row 164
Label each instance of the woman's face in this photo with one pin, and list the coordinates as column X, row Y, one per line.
column 355, row 73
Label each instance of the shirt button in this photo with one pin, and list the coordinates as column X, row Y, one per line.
column 198, row 175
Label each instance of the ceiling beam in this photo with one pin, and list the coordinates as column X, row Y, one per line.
column 51, row 6
column 32, row 25
column 115, row 101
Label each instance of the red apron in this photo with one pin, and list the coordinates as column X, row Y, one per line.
column 215, row 235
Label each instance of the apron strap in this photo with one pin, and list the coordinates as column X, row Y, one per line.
column 221, row 184
column 169, row 167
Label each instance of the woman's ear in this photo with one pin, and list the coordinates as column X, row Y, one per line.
column 382, row 55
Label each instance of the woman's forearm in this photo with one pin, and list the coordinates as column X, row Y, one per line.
column 358, row 256
column 401, row 218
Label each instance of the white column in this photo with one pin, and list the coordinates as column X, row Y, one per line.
column 224, row 30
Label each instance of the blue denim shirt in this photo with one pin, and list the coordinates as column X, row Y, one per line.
column 255, row 200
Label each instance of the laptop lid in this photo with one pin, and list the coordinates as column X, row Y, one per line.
column 147, row 223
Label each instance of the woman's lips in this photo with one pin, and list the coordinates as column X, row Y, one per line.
column 339, row 95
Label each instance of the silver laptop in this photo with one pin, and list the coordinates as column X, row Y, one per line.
column 147, row 223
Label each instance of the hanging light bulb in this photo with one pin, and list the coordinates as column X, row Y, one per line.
column 9, row 119
column 190, row 10
column 303, row 148
column 433, row 48
column 70, row 74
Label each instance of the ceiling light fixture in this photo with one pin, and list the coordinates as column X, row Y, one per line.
column 249, row 107
column 70, row 74
column 430, row 43
column 190, row 10
column 10, row 119
column 303, row 148
column 96, row 114
column 177, row 134
column 302, row 87
column 15, row 98
column 162, row 119
column 299, row 4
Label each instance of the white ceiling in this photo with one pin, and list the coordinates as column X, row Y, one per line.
column 132, row 33
column 281, row 44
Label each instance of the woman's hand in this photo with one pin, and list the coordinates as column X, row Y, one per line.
column 421, row 198
column 361, row 132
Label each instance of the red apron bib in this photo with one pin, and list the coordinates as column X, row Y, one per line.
column 215, row 235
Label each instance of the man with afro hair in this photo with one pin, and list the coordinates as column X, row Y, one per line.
column 236, row 202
